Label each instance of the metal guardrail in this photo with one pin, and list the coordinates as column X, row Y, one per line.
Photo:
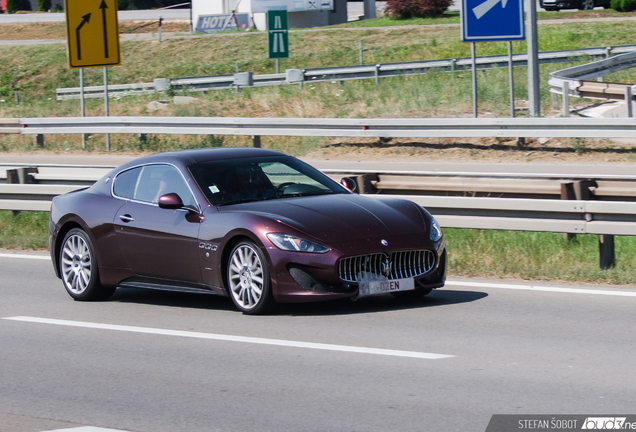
column 500, row 185
column 330, row 127
column 10, row 126
column 30, row 197
column 575, row 217
column 541, row 215
column 344, row 73
column 577, row 78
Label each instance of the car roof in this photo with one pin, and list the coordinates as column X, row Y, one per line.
column 188, row 157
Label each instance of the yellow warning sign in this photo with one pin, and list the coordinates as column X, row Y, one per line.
column 92, row 33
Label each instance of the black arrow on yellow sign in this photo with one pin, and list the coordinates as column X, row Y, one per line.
column 85, row 20
column 103, row 7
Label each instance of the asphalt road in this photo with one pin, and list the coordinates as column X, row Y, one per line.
column 172, row 362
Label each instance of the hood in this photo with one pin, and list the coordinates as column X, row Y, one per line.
column 341, row 217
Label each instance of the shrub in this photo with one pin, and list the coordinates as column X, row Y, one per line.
column 44, row 5
column 13, row 6
column 628, row 5
column 122, row 4
column 617, row 5
column 402, row 9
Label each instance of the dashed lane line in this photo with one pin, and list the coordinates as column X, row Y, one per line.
column 231, row 338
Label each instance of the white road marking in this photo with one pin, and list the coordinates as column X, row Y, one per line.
column 230, row 338
column 86, row 429
column 25, row 256
column 451, row 283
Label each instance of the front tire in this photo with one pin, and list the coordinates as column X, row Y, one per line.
column 586, row 5
column 248, row 279
column 78, row 268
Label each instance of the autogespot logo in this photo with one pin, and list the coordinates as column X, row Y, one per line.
column 606, row 423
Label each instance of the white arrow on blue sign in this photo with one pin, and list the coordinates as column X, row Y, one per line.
column 492, row 20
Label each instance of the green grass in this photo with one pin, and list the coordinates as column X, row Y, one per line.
column 537, row 256
column 26, row 230
column 475, row 253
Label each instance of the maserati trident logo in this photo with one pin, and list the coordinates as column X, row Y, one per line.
column 386, row 267
column 384, row 242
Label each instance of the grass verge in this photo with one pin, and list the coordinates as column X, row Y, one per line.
column 474, row 253
column 25, row 230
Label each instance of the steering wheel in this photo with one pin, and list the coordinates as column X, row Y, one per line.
column 281, row 187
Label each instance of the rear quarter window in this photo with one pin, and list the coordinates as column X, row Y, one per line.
column 126, row 182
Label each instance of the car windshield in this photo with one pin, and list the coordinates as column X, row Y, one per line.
column 256, row 179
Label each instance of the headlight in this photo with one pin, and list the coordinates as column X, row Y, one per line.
column 295, row 244
column 436, row 230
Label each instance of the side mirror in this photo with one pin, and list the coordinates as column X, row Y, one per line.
column 349, row 183
column 171, row 201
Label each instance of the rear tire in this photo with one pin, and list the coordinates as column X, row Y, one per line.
column 248, row 279
column 78, row 268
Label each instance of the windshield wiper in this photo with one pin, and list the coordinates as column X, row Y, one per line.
column 300, row 194
column 240, row 201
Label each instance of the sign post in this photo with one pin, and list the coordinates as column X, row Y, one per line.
column 92, row 33
column 491, row 20
column 277, row 34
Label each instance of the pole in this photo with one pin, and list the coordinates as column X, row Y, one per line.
column 160, row 22
column 511, row 79
column 566, row 99
column 106, row 104
column 82, row 103
column 534, row 91
column 191, row 29
column 472, row 54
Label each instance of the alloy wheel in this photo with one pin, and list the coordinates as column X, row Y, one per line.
column 77, row 264
column 246, row 277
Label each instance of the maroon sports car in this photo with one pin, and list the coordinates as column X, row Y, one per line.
column 256, row 225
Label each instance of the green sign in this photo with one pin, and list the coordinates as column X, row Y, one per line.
column 278, row 39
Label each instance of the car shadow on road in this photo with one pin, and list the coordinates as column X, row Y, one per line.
column 172, row 299
column 383, row 303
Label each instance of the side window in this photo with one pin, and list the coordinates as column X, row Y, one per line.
column 125, row 183
column 158, row 180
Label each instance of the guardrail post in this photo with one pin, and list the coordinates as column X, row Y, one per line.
column 21, row 176
column 580, row 191
column 360, row 51
column 608, row 54
column 17, row 98
column 243, row 79
column 453, row 65
column 566, row 99
column 143, row 138
column 377, row 74
column 365, row 183
column 567, row 193
column 256, row 141
column 607, row 255
column 39, row 140
column 628, row 100
column 160, row 22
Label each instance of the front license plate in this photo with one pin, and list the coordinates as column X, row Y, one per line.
column 386, row 286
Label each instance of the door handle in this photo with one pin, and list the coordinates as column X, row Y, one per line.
column 126, row 218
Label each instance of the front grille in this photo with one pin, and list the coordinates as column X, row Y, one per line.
column 398, row 265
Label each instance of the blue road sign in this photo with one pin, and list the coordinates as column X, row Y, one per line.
column 492, row 20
